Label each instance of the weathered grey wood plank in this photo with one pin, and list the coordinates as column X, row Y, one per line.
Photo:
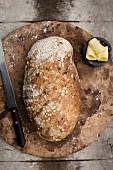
column 6, row 28
column 72, row 165
column 65, row 10
column 15, row 10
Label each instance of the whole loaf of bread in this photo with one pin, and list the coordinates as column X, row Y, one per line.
column 51, row 89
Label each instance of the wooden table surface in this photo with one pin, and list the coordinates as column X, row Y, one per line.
column 95, row 17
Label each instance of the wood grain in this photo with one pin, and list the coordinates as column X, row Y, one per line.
column 65, row 10
column 73, row 165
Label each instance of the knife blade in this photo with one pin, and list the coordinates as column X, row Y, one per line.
column 10, row 99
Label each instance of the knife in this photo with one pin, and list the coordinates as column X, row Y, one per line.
column 10, row 99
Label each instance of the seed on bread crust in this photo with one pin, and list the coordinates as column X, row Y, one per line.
column 50, row 92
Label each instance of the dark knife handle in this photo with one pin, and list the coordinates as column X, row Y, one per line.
column 18, row 127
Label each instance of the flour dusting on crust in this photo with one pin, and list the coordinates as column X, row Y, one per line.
column 50, row 49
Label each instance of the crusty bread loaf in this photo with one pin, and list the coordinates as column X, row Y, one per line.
column 51, row 88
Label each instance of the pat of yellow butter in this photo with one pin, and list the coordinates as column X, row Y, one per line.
column 96, row 51
column 90, row 54
column 104, row 55
column 96, row 46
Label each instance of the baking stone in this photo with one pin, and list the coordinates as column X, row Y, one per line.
column 96, row 90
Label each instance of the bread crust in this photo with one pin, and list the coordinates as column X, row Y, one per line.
column 51, row 88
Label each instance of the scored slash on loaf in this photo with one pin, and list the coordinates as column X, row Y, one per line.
column 51, row 88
